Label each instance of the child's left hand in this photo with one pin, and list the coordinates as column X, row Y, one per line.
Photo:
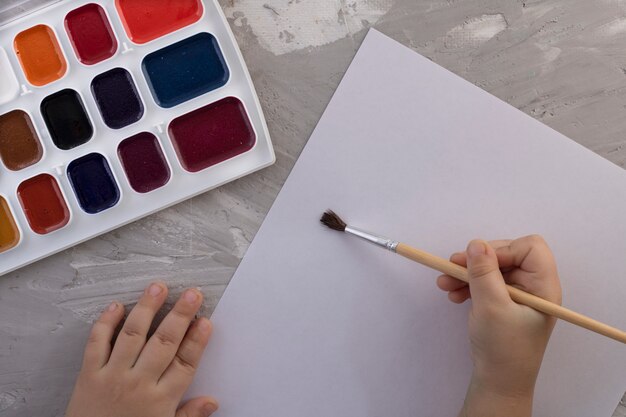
column 139, row 378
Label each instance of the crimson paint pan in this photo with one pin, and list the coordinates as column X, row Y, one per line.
column 91, row 34
column 212, row 134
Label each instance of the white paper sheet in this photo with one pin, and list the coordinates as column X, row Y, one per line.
column 315, row 323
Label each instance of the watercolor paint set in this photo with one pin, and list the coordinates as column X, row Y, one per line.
column 112, row 110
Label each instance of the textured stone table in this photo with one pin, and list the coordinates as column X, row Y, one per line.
column 561, row 61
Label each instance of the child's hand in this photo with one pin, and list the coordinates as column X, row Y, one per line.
column 139, row 378
column 508, row 340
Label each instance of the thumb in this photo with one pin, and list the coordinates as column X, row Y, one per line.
column 198, row 407
column 486, row 283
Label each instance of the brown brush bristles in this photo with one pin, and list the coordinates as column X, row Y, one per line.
column 330, row 219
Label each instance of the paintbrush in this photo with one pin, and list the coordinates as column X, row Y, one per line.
column 333, row 221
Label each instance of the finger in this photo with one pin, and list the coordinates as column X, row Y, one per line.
column 459, row 296
column 460, row 258
column 164, row 343
column 530, row 253
column 448, row 283
column 181, row 370
column 533, row 268
column 98, row 346
column 132, row 337
column 498, row 243
column 485, row 279
column 198, row 407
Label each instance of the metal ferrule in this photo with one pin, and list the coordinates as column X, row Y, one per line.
column 388, row 244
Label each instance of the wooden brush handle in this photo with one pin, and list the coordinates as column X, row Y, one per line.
column 519, row 296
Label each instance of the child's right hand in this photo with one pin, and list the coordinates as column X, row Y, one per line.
column 508, row 340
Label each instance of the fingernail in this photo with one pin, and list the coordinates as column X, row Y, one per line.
column 112, row 306
column 210, row 407
column 204, row 325
column 476, row 248
column 190, row 296
column 155, row 289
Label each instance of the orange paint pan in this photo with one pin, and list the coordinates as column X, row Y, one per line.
column 40, row 55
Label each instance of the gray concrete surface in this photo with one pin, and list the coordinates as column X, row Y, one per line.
column 560, row 61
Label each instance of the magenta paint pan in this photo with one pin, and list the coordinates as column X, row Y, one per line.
column 123, row 107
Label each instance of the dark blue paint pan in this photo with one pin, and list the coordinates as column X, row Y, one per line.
column 185, row 70
column 93, row 183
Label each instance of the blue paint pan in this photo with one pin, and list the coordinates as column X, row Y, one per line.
column 185, row 70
